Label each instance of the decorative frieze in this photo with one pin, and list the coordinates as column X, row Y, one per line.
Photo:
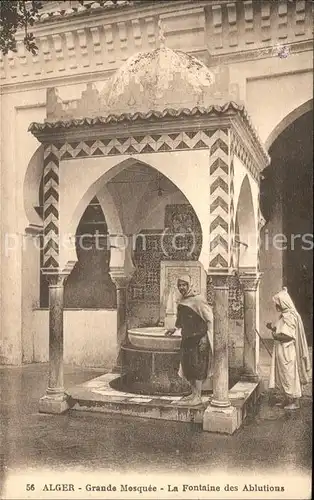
column 178, row 141
column 217, row 26
column 97, row 45
column 21, row 51
column 282, row 19
column 109, row 43
column 2, row 73
column 137, row 32
column 151, row 31
column 69, row 40
column 82, row 38
column 232, row 22
column 11, row 62
column 265, row 21
column 300, row 17
column 225, row 28
column 58, row 47
column 123, row 39
column 239, row 148
column 46, row 52
column 249, row 34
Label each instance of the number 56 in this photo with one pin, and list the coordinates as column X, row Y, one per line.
column 30, row 487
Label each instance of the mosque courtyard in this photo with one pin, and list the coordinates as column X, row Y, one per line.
column 81, row 441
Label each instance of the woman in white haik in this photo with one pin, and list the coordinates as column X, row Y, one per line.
column 290, row 368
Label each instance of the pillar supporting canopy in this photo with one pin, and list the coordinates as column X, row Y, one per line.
column 121, row 278
column 250, row 283
column 55, row 400
column 221, row 369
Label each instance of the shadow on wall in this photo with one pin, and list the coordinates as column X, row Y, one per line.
column 89, row 286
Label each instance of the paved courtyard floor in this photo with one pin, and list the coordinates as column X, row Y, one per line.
column 273, row 440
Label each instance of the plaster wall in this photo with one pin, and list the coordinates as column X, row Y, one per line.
column 272, row 87
column 90, row 337
column 18, row 291
column 271, row 265
column 155, row 218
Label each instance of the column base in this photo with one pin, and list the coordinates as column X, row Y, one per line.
column 249, row 377
column 220, row 404
column 222, row 420
column 58, row 403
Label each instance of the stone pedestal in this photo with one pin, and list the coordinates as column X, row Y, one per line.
column 121, row 281
column 221, row 370
column 55, row 400
column 250, row 284
column 151, row 372
column 222, row 420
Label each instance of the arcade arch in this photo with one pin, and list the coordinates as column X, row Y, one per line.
column 246, row 228
column 287, row 205
column 31, row 187
column 129, row 214
column 135, row 200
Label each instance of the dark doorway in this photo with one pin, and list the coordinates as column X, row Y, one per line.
column 290, row 177
column 89, row 286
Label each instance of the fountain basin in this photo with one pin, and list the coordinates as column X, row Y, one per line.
column 154, row 338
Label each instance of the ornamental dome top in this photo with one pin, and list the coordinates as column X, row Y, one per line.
column 157, row 80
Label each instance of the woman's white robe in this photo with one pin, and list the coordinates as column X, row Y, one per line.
column 289, row 368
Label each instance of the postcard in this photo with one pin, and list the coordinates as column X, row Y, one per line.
column 156, row 249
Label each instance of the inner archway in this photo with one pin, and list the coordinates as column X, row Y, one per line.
column 137, row 203
column 287, row 205
column 246, row 228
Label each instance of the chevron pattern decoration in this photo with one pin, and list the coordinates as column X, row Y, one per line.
column 155, row 143
column 215, row 140
column 259, row 236
column 51, row 209
column 219, row 200
column 232, row 249
column 239, row 149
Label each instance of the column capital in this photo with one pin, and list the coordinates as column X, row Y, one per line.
column 56, row 280
column 250, row 281
column 220, row 281
column 120, row 278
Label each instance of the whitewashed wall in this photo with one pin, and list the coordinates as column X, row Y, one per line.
column 90, row 337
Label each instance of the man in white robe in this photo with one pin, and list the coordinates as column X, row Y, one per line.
column 290, row 368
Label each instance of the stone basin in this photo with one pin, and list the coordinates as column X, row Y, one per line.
column 154, row 338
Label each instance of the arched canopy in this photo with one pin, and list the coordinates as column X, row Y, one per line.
column 246, row 227
column 76, row 195
column 31, row 187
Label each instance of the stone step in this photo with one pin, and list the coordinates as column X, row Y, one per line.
column 97, row 396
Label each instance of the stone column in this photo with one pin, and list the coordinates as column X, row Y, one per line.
column 250, row 283
column 121, row 281
column 55, row 399
column 221, row 368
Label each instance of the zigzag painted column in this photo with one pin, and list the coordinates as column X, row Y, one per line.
column 219, row 201
column 232, row 214
column 55, row 400
column 51, row 210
